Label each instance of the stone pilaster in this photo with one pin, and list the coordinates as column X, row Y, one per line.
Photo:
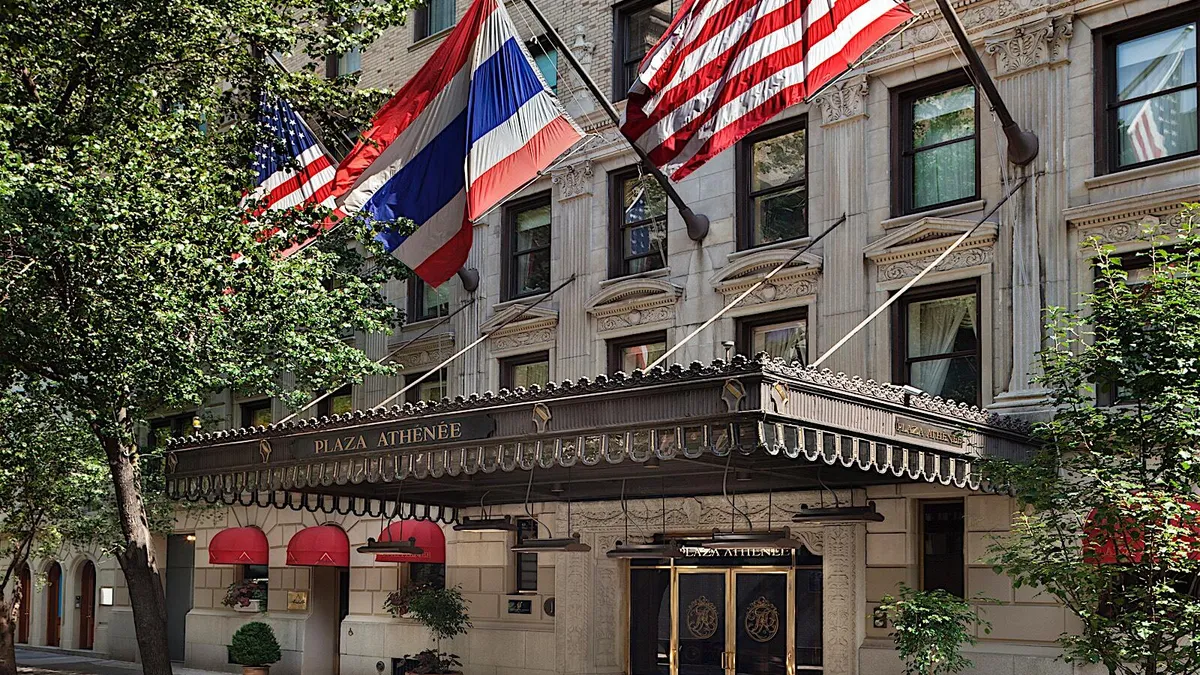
column 844, row 596
column 572, row 213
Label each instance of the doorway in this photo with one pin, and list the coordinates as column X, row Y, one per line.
column 87, row 605
column 181, row 561
column 329, row 603
column 54, row 605
column 25, row 579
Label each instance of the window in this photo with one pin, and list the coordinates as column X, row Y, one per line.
column 345, row 64
column 1147, row 106
column 427, row 302
column 427, row 574
column 256, row 413
column 782, row 335
column 527, row 247
column 259, row 575
column 432, row 17
column 337, row 403
column 165, row 428
column 526, row 563
column 772, row 188
column 545, row 56
column 938, row 334
column 524, row 370
column 938, row 144
column 638, row 208
column 639, row 25
column 943, row 561
column 432, row 389
column 631, row 353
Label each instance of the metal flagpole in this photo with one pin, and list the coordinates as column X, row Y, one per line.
column 746, row 293
column 697, row 224
column 920, row 275
column 468, row 276
column 1022, row 144
column 471, row 346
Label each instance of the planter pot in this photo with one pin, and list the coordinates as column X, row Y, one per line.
column 256, row 670
column 252, row 608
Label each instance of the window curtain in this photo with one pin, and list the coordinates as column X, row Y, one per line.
column 933, row 331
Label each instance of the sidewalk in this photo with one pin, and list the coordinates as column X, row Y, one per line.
column 51, row 662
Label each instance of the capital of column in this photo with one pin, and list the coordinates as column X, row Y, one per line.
column 574, row 180
column 845, row 100
column 1032, row 45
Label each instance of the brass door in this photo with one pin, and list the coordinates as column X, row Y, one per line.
column 732, row 622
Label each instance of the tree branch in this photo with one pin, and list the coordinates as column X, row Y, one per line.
column 30, row 86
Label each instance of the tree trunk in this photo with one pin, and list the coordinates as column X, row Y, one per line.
column 8, row 634
column 146, row 595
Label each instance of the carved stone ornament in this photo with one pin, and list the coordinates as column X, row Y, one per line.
column 975, row 17
column 1143, row 217
column 1040, row 43
column 573, row 181
column 903, row 253
column 537, row 328
column 844, row 101
column 634, row 303
column 798, row 280
column 426, row 352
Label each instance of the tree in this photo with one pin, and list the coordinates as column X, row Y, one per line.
column 51, row 470
column 1107, row 524
column 931, row 629
column 126, row 137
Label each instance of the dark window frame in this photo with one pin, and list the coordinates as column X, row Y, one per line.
column 922, row 504
column 541, row 44
column 1105, row 42
column 508, row 244
column 903, row 155
column 524, row 559
column 744, row 170
column 414, row 395
column 747, row 324
column 508, row 364
column 325, row 405
column 617, row 263
column 421, row 18
column 621, row 12
column 247, row 409
column 416, row 293
column 900, row 359
column 179, row 424
column 615, row 345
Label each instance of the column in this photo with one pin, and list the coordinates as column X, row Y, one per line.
column 844, row 562
column 572, row 223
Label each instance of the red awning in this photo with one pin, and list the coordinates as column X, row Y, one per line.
column 1105, row 545
column 321, row 546
column 239, row 546
column 428, row 535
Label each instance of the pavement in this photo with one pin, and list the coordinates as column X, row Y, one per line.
column 54, row 662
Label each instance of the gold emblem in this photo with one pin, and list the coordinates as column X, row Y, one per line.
column 172, row 462
column 762, row 620
column 264, row 449
column 702, row 618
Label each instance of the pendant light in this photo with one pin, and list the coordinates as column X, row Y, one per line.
column 401, row 546
column 768, row 539
column 486, row 523
column 665, row 549
column 571, row 544
column 836, row 513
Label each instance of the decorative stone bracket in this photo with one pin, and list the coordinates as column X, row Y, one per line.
column 426, row 352
column 1131, row 219
column 537, row 328
column 905, row 252
column 797, row 280
column 636, row 302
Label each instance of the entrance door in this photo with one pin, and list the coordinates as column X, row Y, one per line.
column 733, row 622
column 26, row 581
column 181, row 561
column 53, row 605
column 87, row 605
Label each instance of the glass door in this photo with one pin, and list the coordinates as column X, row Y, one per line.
column 700, row 623
column 733, row 622
column 761, row 624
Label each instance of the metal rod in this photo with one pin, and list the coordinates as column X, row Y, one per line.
column 471, row 346
column 1022, row 144
column 747, row 292
column 920, row 275
column 697, row 224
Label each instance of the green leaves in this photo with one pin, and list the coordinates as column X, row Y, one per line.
column 931, row 628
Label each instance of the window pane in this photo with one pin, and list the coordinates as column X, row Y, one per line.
column 941, row 326
column 944, row 116
column 944, row 174
column 643, row 29
column 428, row 574
column 642, row 199
column 1156, row 62
column 646, row 239
column 942, row 539
column 778, row 161
column 533, row 272
column 650, row 622
column 533, row 228
column 787, row 341
column 525, row 374
column 809, row 636
column 341, row 403
column 641, row 356
column 546, row 58
column 435, row 301
column 260, row 417
column 441, row 15
column 1158, row 127
column 780, row 216
column 956, row 378
column 433, row 389
column 350, row 62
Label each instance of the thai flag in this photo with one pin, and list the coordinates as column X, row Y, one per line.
column 474, row 125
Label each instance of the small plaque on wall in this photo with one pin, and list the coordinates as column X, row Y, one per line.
column 520, row 607
column 297, row 601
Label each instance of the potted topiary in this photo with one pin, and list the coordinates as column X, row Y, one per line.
column 444, row 612
column 255, row 648
column 931, row 629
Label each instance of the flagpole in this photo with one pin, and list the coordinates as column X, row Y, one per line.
column 697, row 223
column 1022, row 144
column 469, row 276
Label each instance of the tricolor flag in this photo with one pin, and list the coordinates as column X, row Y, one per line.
column 724, row 67
column 474, row 125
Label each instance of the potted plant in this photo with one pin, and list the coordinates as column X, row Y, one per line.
column 931, row 629
column 397, row 602
column 246, row 596
column 444, row 612
column 255, row 648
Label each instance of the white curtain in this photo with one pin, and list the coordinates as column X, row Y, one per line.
column 932, row 331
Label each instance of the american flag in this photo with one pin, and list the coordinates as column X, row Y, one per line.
column 724, row 67
column 292, row 168
column 1147, row 140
